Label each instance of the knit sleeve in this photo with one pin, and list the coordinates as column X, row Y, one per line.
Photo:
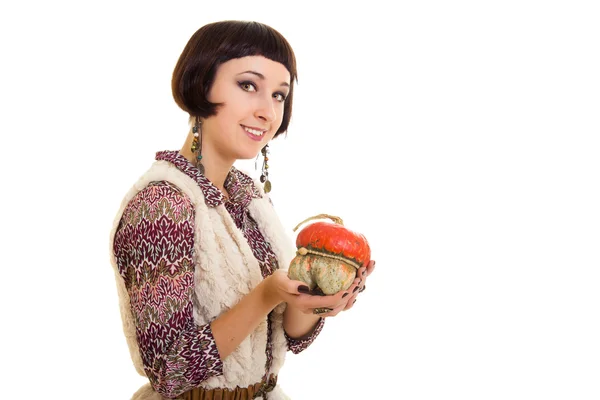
column 299, row 345
column 153, row 247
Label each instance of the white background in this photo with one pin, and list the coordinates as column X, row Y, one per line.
column 460, row 137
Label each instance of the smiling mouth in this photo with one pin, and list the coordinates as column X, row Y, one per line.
column 253, row 131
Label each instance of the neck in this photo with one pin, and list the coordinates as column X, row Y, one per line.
column 216, row 169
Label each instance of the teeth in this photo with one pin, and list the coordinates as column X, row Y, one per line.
column 254, row 131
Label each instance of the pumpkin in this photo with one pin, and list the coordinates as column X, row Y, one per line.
column 328, row 255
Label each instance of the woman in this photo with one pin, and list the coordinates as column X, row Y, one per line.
column 199, row 253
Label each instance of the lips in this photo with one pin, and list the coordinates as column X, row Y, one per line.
column 254, row 131
column 255, row 134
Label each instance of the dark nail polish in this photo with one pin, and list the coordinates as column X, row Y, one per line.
column 354, row 301
column 344, row 295
column 364, row 272
column 303, row 289
column 355, row 289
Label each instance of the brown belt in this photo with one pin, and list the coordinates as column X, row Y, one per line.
column 247, row 393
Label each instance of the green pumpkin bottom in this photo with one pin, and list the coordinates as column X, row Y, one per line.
column 328, row 256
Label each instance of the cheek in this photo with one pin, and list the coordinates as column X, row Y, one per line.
column 229, row 114
column 280, row 113
column 236, row 105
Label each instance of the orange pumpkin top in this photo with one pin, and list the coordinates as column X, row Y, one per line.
column 335, row 239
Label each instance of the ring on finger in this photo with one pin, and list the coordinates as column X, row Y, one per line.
column 322, row 310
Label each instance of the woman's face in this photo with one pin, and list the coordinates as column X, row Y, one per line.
column 253, row 90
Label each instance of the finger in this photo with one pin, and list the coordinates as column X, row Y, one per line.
column 351, row 302
column 341, row 297
column 361, row 275
column 362, row 285
column 291, row 286
column 355, row 286
column 370, row 267
column 304, row 301
column 311, row 302
column 331, row 301
column 295, row 287
column 299, row 287
column 316, row 291
column 361, row 272
column 333, row 313
column 302, row 289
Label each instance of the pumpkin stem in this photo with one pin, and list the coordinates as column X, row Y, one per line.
column 335, row 219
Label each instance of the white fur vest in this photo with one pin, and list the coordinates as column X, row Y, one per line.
column 229, row 271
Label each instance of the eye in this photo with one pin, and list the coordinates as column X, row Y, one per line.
column 247, row 86
column 280, row 97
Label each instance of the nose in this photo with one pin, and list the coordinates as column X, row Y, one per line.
column 265, row 109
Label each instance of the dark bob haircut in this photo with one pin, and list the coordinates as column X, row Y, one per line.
column 219, row 42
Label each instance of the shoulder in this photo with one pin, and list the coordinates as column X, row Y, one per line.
column 159, row 192
column 157, row 199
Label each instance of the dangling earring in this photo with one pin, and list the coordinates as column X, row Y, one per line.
column 264, row 176
column 197, row 144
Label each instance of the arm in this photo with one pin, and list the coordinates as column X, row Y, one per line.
column 233, row 326
column 301, row 329
column 153, row 248
column 298, row 325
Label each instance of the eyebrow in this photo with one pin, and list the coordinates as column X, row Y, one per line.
column 261, row 76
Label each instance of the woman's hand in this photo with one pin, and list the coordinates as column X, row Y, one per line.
column 362, row 274
column 353, row 291
column 296, row 293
